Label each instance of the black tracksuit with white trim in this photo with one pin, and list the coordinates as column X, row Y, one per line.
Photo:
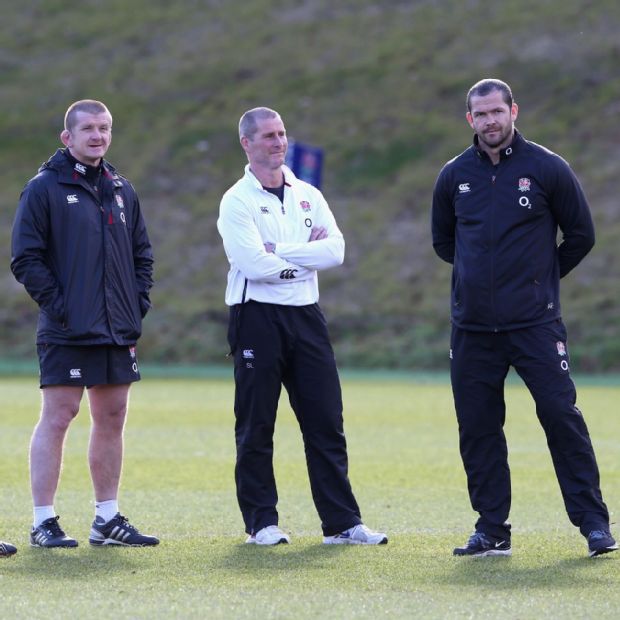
column 278, row 336
column 84, row 256
column 497, row 225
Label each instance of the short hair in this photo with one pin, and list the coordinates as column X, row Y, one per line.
column 247, row 123
column 486, row 86
column 90, row 106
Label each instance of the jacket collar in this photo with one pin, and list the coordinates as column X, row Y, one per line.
column 517, row 142
column 71, row 171
column 289, row 177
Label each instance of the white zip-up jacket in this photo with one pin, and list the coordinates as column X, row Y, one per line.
column 251, row 216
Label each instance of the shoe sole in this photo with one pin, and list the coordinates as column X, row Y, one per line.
column 348, row 541
column 71, row 546
column 282, row 541
column 109, row 541
column 485, row 554
column 595, row 554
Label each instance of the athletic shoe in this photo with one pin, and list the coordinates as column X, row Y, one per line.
column 599, row 542
column 481, row 545
column 118, row 531
column 6, row 549
column 270, row 535
column 356, row 535
column 49, row 534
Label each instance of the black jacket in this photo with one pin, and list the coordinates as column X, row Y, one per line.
column 498, row 226
column 83, row 255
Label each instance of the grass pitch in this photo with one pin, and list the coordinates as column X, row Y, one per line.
column 408, row 479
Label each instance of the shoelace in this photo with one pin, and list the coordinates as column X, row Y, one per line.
column 123, row 522
column 477, row 537
column 53, row 528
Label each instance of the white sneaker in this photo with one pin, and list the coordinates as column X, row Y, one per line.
column 356, row 535
column 270, row 535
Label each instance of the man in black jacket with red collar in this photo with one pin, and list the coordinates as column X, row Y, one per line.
column 496, row 212
column 81, row 250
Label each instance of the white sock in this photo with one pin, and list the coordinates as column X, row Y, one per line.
column 106, row 510
column 42, row 513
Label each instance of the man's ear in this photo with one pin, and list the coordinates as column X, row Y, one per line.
column 514, row 112
column 65, row 137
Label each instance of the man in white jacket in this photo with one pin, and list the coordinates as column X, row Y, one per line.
column 278, row 232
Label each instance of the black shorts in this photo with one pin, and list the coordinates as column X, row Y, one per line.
column 87, row 365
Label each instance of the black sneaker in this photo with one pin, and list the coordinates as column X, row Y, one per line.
column 599, row 542
column 480, row 545
column 50, row 534
column 6, row 549
column 118, row 531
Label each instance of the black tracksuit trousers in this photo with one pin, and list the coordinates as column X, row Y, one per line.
column 275, row 345
column 480, row 363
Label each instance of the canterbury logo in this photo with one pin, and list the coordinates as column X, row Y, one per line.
column 72, row 199
column 464, row 188
column 288, row 274
column 75, row 373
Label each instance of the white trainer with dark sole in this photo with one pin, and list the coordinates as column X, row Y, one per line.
column 356, row 535
column 270, row 535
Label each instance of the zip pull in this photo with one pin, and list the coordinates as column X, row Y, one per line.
column 493, row 180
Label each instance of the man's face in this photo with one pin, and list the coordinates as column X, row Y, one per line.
column 89, row 138
column 267, row 148
column 492, row 120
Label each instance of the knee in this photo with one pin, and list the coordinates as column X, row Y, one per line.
column 112, row 419
column 58, row 418
column 252, row 437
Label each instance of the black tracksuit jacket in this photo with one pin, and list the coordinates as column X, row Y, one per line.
column 498, row 226
column 83, row 255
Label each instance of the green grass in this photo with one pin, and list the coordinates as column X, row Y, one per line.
column 407, row 476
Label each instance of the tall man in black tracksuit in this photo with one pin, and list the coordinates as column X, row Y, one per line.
column 496, row 211
column 81, row 250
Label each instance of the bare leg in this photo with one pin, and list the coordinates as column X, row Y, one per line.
column 108, row 410
column 60, row 405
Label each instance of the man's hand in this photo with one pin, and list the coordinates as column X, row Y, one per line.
column 318, row 233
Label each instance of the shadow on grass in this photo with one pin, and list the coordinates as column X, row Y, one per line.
column 249, row 558
column 81, row 563
column 509, row 573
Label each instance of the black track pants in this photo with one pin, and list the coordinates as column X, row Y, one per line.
column 278, row 345
column 480, row 363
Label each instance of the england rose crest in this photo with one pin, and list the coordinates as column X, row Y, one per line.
column 305, row 205
column 524, row 184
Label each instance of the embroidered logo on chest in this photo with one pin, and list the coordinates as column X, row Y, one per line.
column 524, row 184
